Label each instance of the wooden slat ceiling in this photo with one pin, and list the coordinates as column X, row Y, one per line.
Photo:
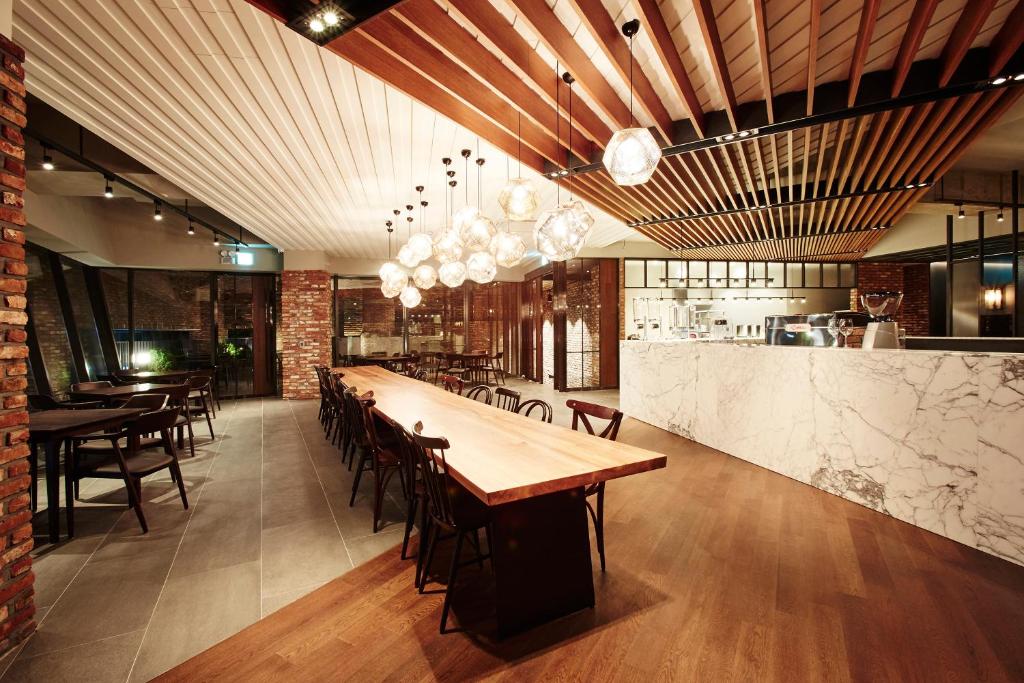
column 704, row 68
column 281, row 136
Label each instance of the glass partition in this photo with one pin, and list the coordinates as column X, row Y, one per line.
column 171, row 316
column 47, row 324
column 85, row 318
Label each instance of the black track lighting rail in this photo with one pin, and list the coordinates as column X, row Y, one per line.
column 114, row 178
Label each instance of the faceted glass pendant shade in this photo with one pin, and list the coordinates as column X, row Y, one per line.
column 406, row 257
column 410, row 297
column 424, row 276
column 561, row 232
column 392, row 288
column 452, row 274
column 463, row 217
column 421, row 246
column 631, row 156
column 508, row 249
column 481, row 267
column 448, row 246
column 389, row 271
column 478, row 233
column 518, row 199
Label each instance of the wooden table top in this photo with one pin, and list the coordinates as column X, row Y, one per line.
column 124, row 390
column 49, row 424
column 498, row 455
column 150, row 374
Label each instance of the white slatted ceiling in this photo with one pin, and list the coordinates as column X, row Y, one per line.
column 286, row 139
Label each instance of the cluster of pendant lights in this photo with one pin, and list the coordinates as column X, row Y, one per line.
column 471, row 247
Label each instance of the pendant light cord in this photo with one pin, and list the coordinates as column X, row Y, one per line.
column 632, row 122
column 568, row 151
column 558, row 133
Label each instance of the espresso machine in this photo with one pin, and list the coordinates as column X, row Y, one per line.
column 882, row 332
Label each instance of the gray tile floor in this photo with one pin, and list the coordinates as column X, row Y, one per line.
column 268, row 522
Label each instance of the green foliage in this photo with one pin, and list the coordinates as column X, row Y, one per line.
column 160, row 360
column 231, row 350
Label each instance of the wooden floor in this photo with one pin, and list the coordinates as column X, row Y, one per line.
column 717, row 570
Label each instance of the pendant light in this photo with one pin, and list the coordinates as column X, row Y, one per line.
column 410, row 297
column 420, row 244
column 481, row 267
column 518, row 199
column 393, row 279
column 406, row 255
column 561, row 232
column 508, row 248
column 465, row 216
column 632, row 154
column 448, row 244
column 478, row 233
column 452, row 274
column 424, row 276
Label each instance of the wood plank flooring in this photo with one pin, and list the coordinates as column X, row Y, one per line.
column 717, row 570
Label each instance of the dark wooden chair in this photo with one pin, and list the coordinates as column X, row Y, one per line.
column 421, row 375
column 543, row 409
column 493, row 367
column 507, row 399
column 453, row 512
column 47, row 402
column 581, row 415
column 100, row 442
column 480, row 392
column 198, row 399
column 452, row 384
column 381, row 458
column 178, row 396
column 208, row 389
column 354, row 439
column 131, row 465
column 416, row 494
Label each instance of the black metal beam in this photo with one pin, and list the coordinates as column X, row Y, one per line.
column 101, row 314
column 830, row 108
column 121, row 180
column 760, row 201
column 1015, row 251
column 35, row 357
column 981, row 268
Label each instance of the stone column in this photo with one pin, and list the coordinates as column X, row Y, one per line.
column 16, row 606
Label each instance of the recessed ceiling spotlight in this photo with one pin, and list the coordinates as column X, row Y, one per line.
column 999, row 81
column 316, row 25
column 331, row 18
column 960, row 213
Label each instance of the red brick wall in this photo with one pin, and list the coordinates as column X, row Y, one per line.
column 912, row 279
column 305, row 331
column 16, row 606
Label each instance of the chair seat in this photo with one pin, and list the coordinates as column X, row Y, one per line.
column 103, row 445
column 195, row 394
column 140, row 464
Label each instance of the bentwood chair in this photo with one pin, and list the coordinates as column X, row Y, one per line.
column 493, row 367
column 381, row 458
column 542, row 408
column 451, row 384
column 137, row 461
column 454, row 512
column 416, row 493
column 581, row 414
column 198, row 399
column 480, row 392
column 507, row 399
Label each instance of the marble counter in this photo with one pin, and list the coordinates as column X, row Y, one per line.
column 934, row 438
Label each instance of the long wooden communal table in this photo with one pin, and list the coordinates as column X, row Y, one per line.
column 531, row 474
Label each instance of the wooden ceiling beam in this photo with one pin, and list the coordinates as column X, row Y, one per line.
column 616, row 48
column 972, row 18
column 1007, row 41
column 813, row 28
column 366, row 54
column 665, row 47
column 490, row 24
column 705, row 14
column 549, row 28
column 868, row 16
column 920, row 17
column 764, row 61
column 431, row 23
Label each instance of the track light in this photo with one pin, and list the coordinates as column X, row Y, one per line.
column 960, row 213
column 216, row 240
column 999, row 216
column 108, row 191
column 191, row 228
column 331, row 18
column 157, row 212
column 47, row 159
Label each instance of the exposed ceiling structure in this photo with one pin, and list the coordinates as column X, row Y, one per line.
column 859, row 104
column 285, row 138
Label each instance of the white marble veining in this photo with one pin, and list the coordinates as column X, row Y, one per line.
column 934, row 438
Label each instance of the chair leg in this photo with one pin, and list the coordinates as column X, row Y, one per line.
column 176, row 471
column 191, row 437
column 409, row 517
column 475, row 540
column 452, row 573
column 599, row 525
column 428, row 558
column 69, row 504
column 208, row 395
column 421, row 544
column 135, row 500
column 355, row 482
column 206, row 413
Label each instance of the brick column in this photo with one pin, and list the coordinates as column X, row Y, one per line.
column 912, row 279
column 305, row 331
column 16, row 577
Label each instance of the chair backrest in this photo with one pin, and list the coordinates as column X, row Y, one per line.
column 429, row 451
column 507, row 399
column 480, row 392
column 543, row 409
column 177, row 395
column 452, row 384
column 420, row 374
column 406, row 450
column 198, row 382
column 148, row 402
column 86, row 386
column 582, row 412
column 149, row 423
column 354, row 410
column 43, row 402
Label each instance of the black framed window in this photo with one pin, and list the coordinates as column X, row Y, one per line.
column 84, row 318
column 52, row 360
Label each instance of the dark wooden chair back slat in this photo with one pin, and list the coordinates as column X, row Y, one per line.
column 480, row 393
column 582, row 412
column 507, row 399
column 543, row 409
column 430, row 456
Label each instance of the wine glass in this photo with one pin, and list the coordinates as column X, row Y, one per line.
column 833, row 329
column 845, row 329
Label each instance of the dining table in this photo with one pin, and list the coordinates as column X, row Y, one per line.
column 119, row 393
column 176, row 376
column 530, row 474
column 51, row 428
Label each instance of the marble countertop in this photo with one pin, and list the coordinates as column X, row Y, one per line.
column 746, row 344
